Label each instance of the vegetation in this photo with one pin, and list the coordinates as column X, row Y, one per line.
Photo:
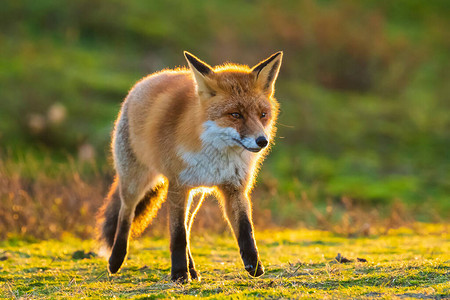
column 405, row 263
column 362, row 146
column 364, row 128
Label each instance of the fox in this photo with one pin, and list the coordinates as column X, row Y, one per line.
column 181, row 130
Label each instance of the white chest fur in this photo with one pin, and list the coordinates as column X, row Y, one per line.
column 220, row 160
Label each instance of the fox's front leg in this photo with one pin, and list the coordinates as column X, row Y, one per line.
column 238, row 210
column 177, row 198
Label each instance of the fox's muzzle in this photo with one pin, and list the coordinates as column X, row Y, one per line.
column 253, row 145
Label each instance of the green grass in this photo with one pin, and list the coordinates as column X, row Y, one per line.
column 408, row 262
column 364, row 109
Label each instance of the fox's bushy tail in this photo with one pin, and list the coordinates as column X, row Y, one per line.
column 146, row 210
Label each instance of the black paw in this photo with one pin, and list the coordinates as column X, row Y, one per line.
column 194, row 274
column 180, row 276
column 115, row 263
column 255, row 271
column 118, row 255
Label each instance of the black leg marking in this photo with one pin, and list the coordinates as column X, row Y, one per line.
column 247, row 247
column 178, row 248
column 120, row 248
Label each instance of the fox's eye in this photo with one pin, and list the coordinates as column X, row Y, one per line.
column 236, row 115
column 263, row 115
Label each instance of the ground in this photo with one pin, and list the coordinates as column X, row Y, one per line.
column 408, row 263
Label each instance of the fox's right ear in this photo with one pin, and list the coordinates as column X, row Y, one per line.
column 201, row 71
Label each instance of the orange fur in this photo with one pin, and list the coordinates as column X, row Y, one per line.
column 168, row 113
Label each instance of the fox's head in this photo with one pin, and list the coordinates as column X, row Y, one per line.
column 238, row 101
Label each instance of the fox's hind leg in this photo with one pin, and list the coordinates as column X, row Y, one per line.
column 131, row 190
column 144, row 212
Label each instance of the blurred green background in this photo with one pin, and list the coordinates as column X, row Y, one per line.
column 364, row 130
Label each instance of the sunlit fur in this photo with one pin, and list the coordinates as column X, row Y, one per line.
column 183, row 129
column 167, row 115
column 202, row 192
column 141, row 221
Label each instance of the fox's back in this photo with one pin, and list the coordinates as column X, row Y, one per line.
column 155, row 109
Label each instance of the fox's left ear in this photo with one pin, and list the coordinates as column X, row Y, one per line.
column 201, row 71
column 266, row 72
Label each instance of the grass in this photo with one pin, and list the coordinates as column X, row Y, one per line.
column 364, row 109
column 362, row 145
column 404, row 263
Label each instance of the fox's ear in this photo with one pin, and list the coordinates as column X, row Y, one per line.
column 266, row 72
column 201, row 70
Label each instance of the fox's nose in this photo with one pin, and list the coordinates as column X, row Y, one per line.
column 261, row 141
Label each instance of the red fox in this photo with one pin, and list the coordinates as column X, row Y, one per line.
column 183, row 129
